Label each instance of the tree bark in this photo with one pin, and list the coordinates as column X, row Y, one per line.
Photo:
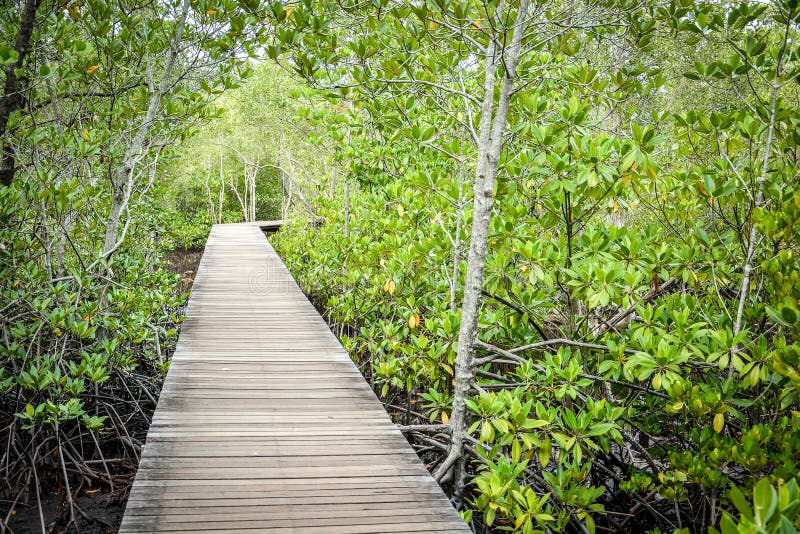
column 758, row 201
column 491, row 135
column 456, row 258
column 457, row 240
column 122, row 182
column 12, row 99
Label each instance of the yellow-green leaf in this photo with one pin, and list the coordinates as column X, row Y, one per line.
column 719, row 422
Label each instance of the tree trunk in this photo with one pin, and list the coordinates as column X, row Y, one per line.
column 12, row 99
column 122, row 182
column 758, row 200
column 489, row 149
column 221, row 188
column 346, row 206
column 253, row 192
column 347, row 181
column 457, row 241
column 212, row 211
column 118, row 200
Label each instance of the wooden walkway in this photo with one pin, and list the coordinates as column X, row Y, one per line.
column 265, row 424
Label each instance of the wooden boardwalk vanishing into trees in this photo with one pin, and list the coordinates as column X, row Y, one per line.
column 266, row 425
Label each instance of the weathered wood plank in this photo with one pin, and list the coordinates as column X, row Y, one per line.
column 265, row 424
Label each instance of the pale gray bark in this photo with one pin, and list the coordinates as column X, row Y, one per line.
column 66, row 222
column 491, row 136
column 457, row 245
column 221, row 192
column 253, row 176
column 758, row 201
column 212, row 211
column 347, row 188
column 247, row 197
column 122, row 183
column 346, row 207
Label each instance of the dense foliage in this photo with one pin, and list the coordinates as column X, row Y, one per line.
column 248, row 164
column 636, row 364
column 95, row 95
column 560, row 238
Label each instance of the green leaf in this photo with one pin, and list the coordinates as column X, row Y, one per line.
column 487, row 432
column 516, row 450
column 531, row 424
column 590, row 526
column 711, row 186
column 8, row 56
column 765, row 501
column 544, row 453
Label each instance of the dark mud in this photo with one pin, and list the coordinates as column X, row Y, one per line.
column 98, row 510
column 184, row 262
column 99, row 513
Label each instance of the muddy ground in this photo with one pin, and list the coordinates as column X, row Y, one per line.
column 100, row 512
column 184, row 262
column 103, row 514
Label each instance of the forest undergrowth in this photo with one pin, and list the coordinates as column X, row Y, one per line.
column 560, row 239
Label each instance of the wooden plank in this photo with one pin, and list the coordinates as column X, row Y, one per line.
column 404, row 482
column 296, row 502
column 204, row 521
column 238, row 528
column 265, row 424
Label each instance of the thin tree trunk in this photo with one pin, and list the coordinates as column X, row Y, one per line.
column 221, row 199
column 12, row 99
column 285, row 198
column 66, row 223
column 744, row 291
column 117, row 204
column 122, row 183
column 489, row 150
column 221, row 188
column 211, row 206
column 457, row 242
column 242, row 201
column 346, row 206
column 347, row 186
column 253, row 193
